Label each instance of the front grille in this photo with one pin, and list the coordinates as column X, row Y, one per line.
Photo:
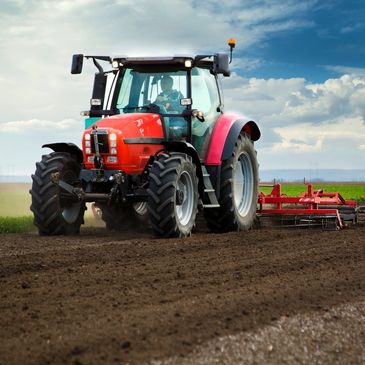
column 102, row 142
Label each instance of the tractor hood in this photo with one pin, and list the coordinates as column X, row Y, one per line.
column 134, row 125
column 124, row 141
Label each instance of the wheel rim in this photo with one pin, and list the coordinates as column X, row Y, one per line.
column 71, row 213
column 140, row 208
column 184, row 211
column 243, row 184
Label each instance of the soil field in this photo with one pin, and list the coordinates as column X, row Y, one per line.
column 263, row 296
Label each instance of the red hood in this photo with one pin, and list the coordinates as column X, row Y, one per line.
column 134, row 125
column 135, row 144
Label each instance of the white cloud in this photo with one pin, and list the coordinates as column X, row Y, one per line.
column 353, row 71
column 22, row 140
column 36, row 125
column 306, row 137
column 285, row 101
column 353, row 27
column 304, row 124
column 262, row 99
column 326, row 101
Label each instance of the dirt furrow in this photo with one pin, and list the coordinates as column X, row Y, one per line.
column 102, row 298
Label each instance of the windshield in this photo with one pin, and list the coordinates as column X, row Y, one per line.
column 139, row 89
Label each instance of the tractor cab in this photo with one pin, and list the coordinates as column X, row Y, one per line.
column 183, row 90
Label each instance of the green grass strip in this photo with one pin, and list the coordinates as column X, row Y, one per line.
column 16, row 224
column 348, row 191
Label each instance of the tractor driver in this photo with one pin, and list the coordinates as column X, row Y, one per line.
column 169, row 97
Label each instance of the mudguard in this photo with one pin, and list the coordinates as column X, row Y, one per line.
column 225, row 134
column 185, row 147
column 71, row 148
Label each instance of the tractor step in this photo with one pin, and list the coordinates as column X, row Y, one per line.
column 209, row 191
column 205, row 206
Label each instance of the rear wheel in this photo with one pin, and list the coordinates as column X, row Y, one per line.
column 55, row 212
column 238, row 190
column 173, row 195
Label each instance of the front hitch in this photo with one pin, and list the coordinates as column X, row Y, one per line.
column 77, row 193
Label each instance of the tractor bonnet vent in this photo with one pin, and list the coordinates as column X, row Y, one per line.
column 103, row 142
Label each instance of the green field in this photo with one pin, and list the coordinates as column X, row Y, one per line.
column 15, row 215
column 15, row 200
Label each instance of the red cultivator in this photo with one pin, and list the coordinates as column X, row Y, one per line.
column 312, row 208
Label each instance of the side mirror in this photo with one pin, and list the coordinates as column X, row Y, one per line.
column 77, row 61
column 97, row 100
column 221, row 64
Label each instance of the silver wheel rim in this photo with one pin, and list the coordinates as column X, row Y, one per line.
column 243, row 184
column 140, row 208
column 71, row 213
column 184, row 211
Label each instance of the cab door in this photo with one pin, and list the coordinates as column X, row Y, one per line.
column 206, row 98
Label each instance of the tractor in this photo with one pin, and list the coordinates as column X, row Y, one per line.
column 153, row 156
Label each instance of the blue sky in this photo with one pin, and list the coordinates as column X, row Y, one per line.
column 331, row 36
column 298, row 70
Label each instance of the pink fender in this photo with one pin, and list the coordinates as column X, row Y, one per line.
column 220, row 134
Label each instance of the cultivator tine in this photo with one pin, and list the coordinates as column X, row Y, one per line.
column 360, row 215
column 303, row 221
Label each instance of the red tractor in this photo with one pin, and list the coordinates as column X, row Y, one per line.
column 156, row 149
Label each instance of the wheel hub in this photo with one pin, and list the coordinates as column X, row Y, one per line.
column 184, row 198
column 243, row 184
column 179, row 197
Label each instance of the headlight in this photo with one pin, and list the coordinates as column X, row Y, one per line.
column 87, row 137
column 113, row 151
column 88, row 151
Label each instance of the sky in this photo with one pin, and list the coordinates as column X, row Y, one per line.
column 298, row 70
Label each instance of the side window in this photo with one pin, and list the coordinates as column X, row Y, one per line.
column 200, row 93
column 125, row 90
column 204, row 91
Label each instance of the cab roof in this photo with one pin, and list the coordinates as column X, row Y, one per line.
column 218, row 63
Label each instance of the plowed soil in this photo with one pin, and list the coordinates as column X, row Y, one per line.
column 284, row 296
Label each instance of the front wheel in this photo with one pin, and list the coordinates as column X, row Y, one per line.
column 55, row 212
column 238, row 190
column 172, row 195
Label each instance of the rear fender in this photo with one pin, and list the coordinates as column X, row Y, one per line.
column 185, row 147
column 225, row 135
column 70, row 148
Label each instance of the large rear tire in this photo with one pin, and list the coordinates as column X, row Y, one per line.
column 55, row 212
column 238, row 190
column 173, row 195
